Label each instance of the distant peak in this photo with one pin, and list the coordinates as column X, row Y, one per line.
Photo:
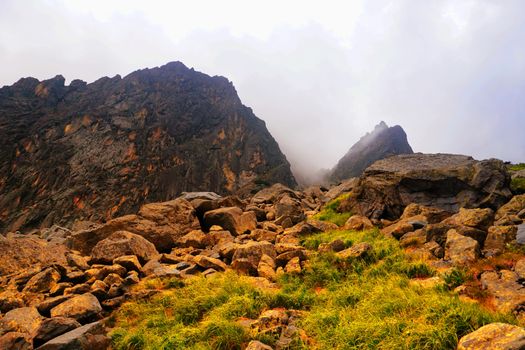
column 174, row 65
column 381, row 126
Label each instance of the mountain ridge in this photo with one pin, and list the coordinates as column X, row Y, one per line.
column 72, row 152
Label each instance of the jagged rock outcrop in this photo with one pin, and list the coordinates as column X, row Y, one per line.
column 100, row 150
column 381, row 143
column 444, row 181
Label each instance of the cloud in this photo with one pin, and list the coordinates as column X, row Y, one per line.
column 451, row 73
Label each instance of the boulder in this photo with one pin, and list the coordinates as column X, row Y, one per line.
column 23, row 320
column 334, row 246
column 293, row 266
column 19, row 252
column 209, row 263
column 513, row 207
column 432, row 215
column 123, row 243
column 289, row 207
column 444, row 181
column 15, row 341
column 160, row 223
column 195, row 239
column 461, row 249
column 359, row 250
column 78, row 261
column 82, row 308
column 51, row 328
column 88, row 337
column 272, row 194
column 45, row 306
column 129, row 262
column 322, row 226
column 358, row 223
column 519, row 268
column 494, row 336
column 497, row 239
column 232, row 219
column 398, row 229
column 415, row 238
column 480, row 219
column 247, row 256
column 43, row 281
column 266, row 267
column 257, row 345
column 438, row 232
column 10, row 300
column 508, row 293
column 263, row 235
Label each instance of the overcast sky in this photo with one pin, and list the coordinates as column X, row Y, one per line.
column 452, row 73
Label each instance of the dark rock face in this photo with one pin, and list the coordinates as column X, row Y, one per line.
column 100, row 150
column 381, row 143
column 444, row 181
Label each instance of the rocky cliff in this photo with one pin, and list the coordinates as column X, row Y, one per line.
column 382, row 142
column 100, row 150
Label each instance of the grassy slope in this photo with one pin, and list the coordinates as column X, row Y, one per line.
column 356, row 304
column 329, row 212
column 517, row 185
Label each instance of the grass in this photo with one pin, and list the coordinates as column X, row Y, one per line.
column 358, row 303
column 517, row 167
column 517, row 185
column 329, row 212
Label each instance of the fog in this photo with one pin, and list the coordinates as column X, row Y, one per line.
column 451, row 73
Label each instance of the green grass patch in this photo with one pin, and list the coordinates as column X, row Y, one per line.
column 517, row 185
column 329, row 212
column 517, row 167
column 356, row 303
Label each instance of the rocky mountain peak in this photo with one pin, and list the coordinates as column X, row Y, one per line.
column 95, row 151
column 382, row 142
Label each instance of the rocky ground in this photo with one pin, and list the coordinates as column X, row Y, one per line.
column 452, row 220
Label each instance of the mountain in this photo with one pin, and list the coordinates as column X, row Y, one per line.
column 99, row 150
column 381, row 143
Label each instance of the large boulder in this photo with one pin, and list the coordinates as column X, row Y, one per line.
column 432, row 215
column 480, row 219
column 444, row 181
column 88, row 337
column 247, row 256
column 494, row 336
column 289, row 207
column 18, row 252
column 232, row 219
column 53, row 327
column 272, row 194
column 84, row 307
column 160, row 223
column 505, row 288
column 513, row 207
column 123, row 243
column 43, row 281
column 461, row 249
column 23, row 320
column 497, row 239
